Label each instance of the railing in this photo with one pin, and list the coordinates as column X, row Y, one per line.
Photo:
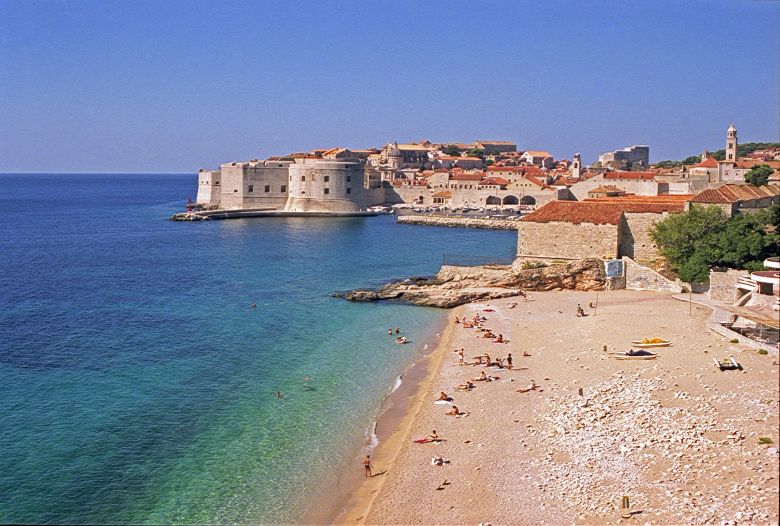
column 458, row 260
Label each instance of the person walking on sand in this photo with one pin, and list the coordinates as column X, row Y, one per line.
column 580, row 312
column 461, row 361
column 509, row 360
column 367, row 466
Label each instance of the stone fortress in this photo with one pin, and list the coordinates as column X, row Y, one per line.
column 479, row 175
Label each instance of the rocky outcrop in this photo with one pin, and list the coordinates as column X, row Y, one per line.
column 453, row 286
column 459, row 222
column 187, row 216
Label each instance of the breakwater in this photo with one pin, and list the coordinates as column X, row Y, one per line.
column 460, row 222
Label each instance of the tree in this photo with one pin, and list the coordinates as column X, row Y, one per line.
column 701, row 238
column 451, row 149
column 475, row 152
column 759, row 175
column 693, row 159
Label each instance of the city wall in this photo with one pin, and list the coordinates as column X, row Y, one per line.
column 558, row 240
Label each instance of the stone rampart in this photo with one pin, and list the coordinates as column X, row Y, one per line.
column 723, row 285
column 639, row 277
column 459, row 222
column 636, row 242
column 559, row 240
column 325, row 185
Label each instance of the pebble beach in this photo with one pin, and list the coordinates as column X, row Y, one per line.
column 684, row 441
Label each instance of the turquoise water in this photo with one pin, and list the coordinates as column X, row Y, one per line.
column 137, row 382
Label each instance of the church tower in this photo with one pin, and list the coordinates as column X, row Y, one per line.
column 576, row 167
column 731, row 144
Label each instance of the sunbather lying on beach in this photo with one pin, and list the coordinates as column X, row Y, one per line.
column 468, row 386
column 531, row 387
column 454, row 411
column 444, row 397
column 485, row 378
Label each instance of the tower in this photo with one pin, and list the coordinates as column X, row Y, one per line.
column 576, row 168
column 731, row 144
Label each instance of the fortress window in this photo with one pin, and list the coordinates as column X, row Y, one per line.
column 303, row 178
column 349, row 190
column 251, row 188
column 349, row 178
column 284, row 188
column 267, row 188
column 326, row 191
column 327, row 178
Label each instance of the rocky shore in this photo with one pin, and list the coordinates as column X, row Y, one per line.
column 453, row 286
column 459, row 222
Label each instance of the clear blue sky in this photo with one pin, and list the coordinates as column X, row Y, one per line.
column 175, row 85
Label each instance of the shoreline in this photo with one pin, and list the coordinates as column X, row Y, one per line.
column 329, row 505
column 551, row 456
column 393, row 426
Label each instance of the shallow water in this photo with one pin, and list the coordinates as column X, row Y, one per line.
column 138, row 384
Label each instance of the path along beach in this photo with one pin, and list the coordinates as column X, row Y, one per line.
column 676, row 435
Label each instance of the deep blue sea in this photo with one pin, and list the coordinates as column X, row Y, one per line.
column 136, row 381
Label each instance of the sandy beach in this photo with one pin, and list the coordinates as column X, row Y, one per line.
column 676, row 435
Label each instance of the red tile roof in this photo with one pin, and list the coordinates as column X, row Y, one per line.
column 750, row 163
column 576, row 212
column 709, row 162
column 645, row 176
column 466, row 176
column 494, row 181
column 733, row 193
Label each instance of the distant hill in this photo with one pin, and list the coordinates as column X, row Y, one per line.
column 743, row 150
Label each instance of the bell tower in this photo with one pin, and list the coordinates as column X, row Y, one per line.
column 731, row 144
column 576, row 168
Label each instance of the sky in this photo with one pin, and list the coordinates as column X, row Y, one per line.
column 178, row 85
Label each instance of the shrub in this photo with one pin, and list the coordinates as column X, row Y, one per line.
column 763, row 351
column 734, row 341
column 764, row 440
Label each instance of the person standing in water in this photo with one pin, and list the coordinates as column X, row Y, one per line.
column 367, row 466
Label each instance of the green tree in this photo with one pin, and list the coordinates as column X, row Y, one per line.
column 688, row 241
column 451, row 149
column 475, row 152
column 759, row 175
column 701, row 238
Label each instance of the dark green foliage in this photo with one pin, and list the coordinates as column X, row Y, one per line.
column 759, row 175
column 704, row 237
column 475, row 152
column 743, row 150
column 451, row 149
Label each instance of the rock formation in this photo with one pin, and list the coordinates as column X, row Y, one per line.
column 453, row 286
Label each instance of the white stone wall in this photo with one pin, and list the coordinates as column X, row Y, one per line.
column 209, row 187
column 559, row 240
column 324, row 185
column 261, row 184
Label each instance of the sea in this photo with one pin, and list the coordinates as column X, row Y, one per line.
column 137, row 383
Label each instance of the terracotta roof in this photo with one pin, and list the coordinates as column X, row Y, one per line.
column 603, row 189
column 750, row 163
column 576, row 212
column 494, row 168
column 538, row 153
column 642, row 206
column 709, row 162
column 733, row 193
column 443, row 194
column 535, row 181
column 494, row 181
column 466, row 176
column 645, row 176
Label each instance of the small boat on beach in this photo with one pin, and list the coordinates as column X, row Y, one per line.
column 645, row 343
column 729, row 364
column 634, row 355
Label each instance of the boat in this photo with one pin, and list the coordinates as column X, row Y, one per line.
column 646, row 343
column 729, row 364
column 634, row 355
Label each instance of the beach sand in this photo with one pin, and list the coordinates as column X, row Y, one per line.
column 676, row 435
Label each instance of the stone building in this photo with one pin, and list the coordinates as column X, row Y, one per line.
column 254, row 184
column 538, row 158
column 495, row 146
column 737, row 198
column 632, row 156
column 209, row 187
column 326, row 185
column 602, row 228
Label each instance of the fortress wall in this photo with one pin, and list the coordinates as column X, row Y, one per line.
column 559, row 240
column 324, row 185
column 209, row 187
column 255, row 185
column 636, row 242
